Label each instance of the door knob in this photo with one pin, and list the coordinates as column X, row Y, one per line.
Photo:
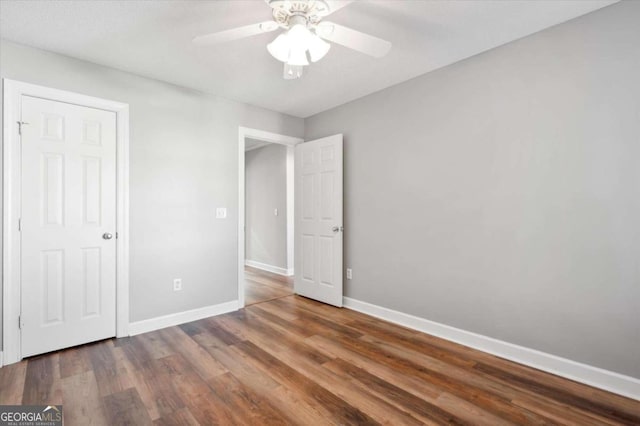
column 107, row 236
column 337, row 229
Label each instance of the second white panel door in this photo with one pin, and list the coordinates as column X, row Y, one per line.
column 318, row 220
column 68, row 254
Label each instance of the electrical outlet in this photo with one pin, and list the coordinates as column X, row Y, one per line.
column 221, row 213
column 275, row 212
column 177, row 284
column 349, row 273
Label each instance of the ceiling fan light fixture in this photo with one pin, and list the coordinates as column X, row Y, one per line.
column 318, row 48
column 299, row 36
column 305, row 36
column 279, row 48
column 298, row 57
column 292, row 72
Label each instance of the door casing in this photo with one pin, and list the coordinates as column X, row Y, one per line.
column 290, row 142
column 11, row 191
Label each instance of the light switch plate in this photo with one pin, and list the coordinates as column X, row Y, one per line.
column 221, row 213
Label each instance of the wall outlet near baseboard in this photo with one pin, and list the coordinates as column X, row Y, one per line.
column 177, row 284
column 349, row 273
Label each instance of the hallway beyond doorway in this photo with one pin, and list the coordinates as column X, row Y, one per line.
column 261, row 286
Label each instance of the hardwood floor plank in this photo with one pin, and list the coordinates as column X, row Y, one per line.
column 395, row 395
column 191, row 328
column 284, row 339
column 137, row 353
column 156, row 345
column 255, row 330
column 336, row 409
column 468, row 411
column 82, row 403
column 374, row 330
column 214, row 328
column 74, row 361
column 40, row 380
column 266, row 387
column 195, row 354
column 153, row 384
column 423, row 389
column 317, row 320
column 486, row 395
column 126, row 408
column 261, row 286
column 471, row 377
column 244, row 371
column 300, row 328
column 12, row 379
column 246, row 405
column 181, row 417
column 276, row 279
column 596, row 407
column 197, row 395
column 296, row 361
column 379, row 409
column 111, row 376
column 275, row 310
column 256, row 292
column 489, row 402
column 318, row 309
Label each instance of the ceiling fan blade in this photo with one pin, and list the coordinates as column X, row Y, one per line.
column 335, row 5
column 236, row 33
column 356, row 40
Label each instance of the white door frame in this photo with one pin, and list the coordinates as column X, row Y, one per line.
column 11, row 190
column 290, row 142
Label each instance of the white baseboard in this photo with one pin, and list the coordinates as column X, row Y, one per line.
column 269, row 268
column 165, row 321
column 583, row 373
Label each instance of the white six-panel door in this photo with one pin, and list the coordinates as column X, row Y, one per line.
column 68, row 256
column 318, row 220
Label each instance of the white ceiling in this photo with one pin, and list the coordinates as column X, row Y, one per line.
column 153, row 39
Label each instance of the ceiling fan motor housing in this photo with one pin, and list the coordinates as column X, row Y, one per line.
column 311, row 10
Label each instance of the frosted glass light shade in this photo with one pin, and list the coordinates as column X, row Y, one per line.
column 298, row 57
column 292, row 47
column 279, row 48
column 317, row 48
column 299, row 37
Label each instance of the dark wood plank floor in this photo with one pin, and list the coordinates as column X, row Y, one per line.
column 261, row 286
column 295, row 361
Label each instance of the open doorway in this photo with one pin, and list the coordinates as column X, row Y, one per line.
column 266, row 216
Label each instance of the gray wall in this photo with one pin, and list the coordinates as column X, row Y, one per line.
column 183, row 164
column 501, row 194
column 266, row 190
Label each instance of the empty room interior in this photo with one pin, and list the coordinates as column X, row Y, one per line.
column 320, row 212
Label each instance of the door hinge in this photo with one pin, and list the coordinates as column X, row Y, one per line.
column 20, row 323
column 19, row 225
column 20, row 124
column 116, row 235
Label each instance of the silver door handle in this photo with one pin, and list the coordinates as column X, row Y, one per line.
column 107, row 236
column 337, row 229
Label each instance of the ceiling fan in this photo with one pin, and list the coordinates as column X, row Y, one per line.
column 304, row 34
